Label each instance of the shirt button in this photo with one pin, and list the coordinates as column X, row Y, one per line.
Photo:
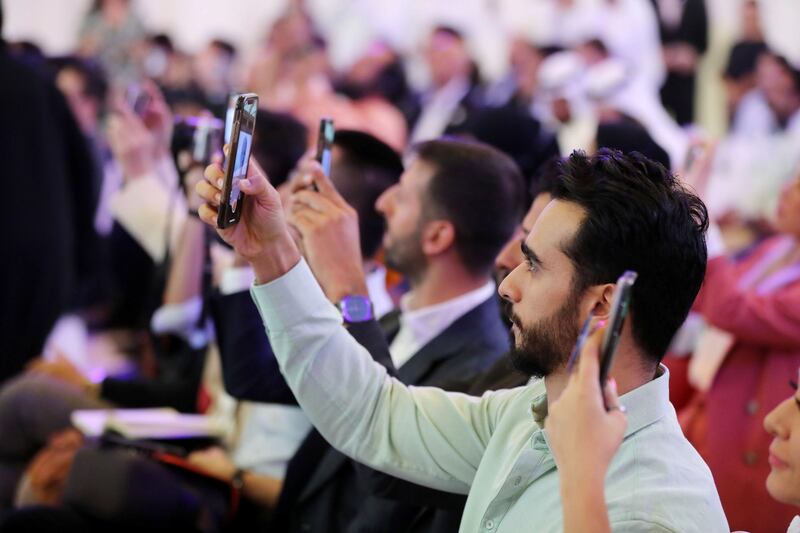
column 750, row 458
column 490, row 524
column 517, row 481
column 752, row 407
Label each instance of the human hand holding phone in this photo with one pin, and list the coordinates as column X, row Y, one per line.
column 329, row 234
column 584, row 437
column 131, row 143
column 262, row 235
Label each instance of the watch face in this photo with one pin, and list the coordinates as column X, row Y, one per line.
column 356, row 309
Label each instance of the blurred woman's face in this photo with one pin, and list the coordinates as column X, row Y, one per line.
column 783, row 423
column 788, row 215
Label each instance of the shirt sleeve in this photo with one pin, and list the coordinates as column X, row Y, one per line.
column 182, row 319
column 421, row 434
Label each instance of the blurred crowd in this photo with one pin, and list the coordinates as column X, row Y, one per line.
column 115, row 294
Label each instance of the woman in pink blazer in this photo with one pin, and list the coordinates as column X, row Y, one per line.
column 757, row 301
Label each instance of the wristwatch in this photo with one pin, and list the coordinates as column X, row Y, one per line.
column 355, row 309
column 238, row 479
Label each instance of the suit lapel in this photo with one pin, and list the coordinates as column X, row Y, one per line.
column 448, row 343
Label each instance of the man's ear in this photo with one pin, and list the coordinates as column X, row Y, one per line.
column 437, row 237
column 600, row 298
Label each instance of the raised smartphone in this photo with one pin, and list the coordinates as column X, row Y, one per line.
column 325, row 144
column 237, row 160
column 138, row 98
column 620, row 305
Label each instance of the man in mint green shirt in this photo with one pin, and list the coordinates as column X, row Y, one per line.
column 613, row 212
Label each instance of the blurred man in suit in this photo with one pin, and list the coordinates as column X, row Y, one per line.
column 51, row 204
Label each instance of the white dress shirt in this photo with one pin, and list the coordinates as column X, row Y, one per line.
column 438, row 110
column 420, row 326
column 382, row 302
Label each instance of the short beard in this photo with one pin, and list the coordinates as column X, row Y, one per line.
column 545, row 346
column 405, row 256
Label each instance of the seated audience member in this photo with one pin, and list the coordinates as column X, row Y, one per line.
column 515, row 132
column 626, row 135
column 684, row 32
column 753, row 308
column 782, row 423
column 599, row 224
column 500, row 375
column 454, row 93
column 213, row 71
column 47, row 258
column 40, row 403
column 774, row 105
column 109, row 32
column 379, row 74
column 84, row 85
column 306, row 91
column 362, row 168
column 519, row 87
column 762, row 142
column 561, row 104
column 739, row 76
column 449, row 328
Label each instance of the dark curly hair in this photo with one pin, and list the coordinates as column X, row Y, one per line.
column 638, row 217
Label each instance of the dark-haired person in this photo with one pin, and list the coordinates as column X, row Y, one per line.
column 684, row 32
column 774, row 105
column 84, row 85
column 605, row 217
column 214, row 75
column 449, row 327
column 379, row 73
column 362, row 168
column 454, row 93
column 43, row 148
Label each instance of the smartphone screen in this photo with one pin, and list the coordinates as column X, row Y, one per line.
column 237, row 162
column 229, row 113
column 325, row 144
column 620, row 305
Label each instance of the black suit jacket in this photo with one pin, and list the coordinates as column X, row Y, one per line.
column 341, row 495
column 47, row 217
column 324, row 490
column 462, row 116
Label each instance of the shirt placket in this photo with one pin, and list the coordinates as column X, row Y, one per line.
column 533, row 462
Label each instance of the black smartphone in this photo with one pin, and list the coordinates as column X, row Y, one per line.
column 245, row 107
column 620, row 304
column 325, row 145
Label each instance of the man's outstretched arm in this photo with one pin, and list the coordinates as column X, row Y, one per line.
column 421, row 434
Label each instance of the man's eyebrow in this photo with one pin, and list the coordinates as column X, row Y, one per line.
column 530, row 255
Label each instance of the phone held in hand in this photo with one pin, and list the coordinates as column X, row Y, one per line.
column 137, row 98
column 325, row 145
column 245, row 107
column 620, row 305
